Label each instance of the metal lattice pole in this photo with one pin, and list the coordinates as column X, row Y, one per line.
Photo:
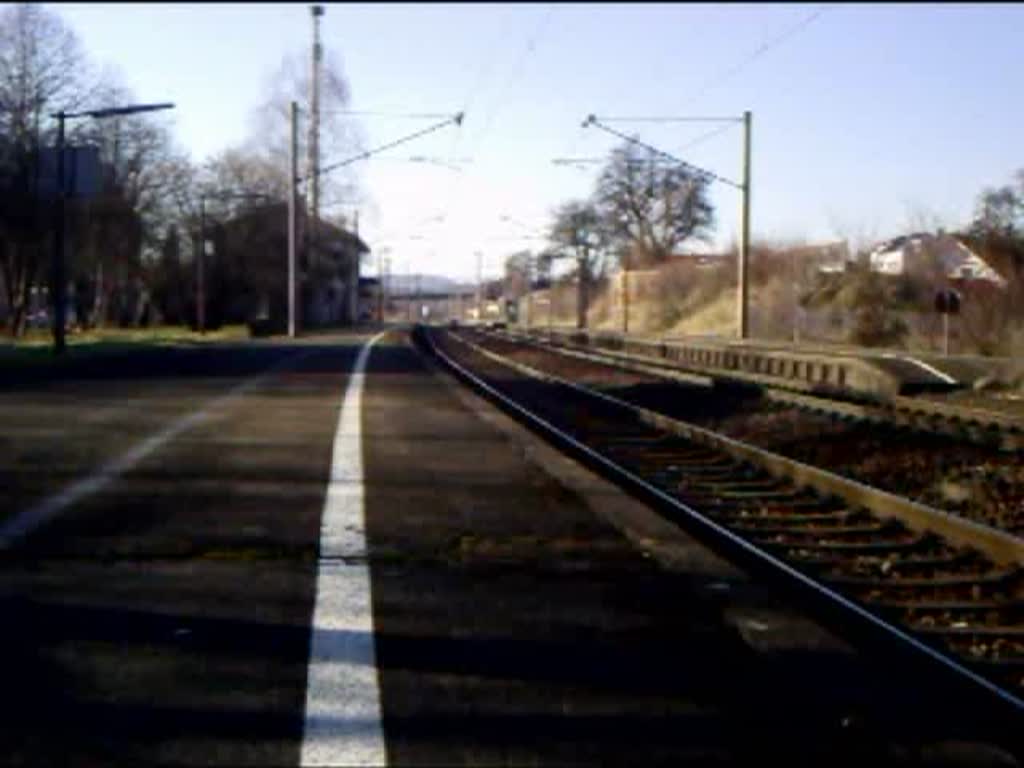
column 314, row 132
column 743, row 277
column 292, row 217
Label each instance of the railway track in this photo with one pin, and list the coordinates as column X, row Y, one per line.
column 977, row 425
column 937, row 596
column 981, row 480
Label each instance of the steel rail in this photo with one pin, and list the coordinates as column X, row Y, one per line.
column 995, row 708
column 1000, row 546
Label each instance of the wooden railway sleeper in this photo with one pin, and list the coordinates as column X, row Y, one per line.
column 791, row 541
column 687, row 491
column 647, row 463
column 995, row 576
column 842, row 527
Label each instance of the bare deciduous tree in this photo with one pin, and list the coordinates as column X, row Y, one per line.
column 340, row 136
column 994, row 319
column 518, row 276
column 649, row 207
column 138, row 203
column 578, row 232
column 244, row 172
column 1000, row 211
column 42, row 70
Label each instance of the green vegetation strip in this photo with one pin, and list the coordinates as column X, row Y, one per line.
column 36, row 347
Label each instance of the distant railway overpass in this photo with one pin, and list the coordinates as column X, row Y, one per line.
column 439, row 305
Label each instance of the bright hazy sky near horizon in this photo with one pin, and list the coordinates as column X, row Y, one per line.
column 868, row 119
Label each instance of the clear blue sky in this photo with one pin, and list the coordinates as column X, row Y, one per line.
column 863, row 117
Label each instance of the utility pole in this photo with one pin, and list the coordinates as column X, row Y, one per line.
column 625, row 295
column 551, row 301
column 479, row 285
column 201, row 269
column 293, row 166
column 529, row 291
column 58, row 247
column 796, row 299
column 581, row 291
column 743, row 277
column 387, row 283
column 582, row 276
column 314, row 132
column 408, row 286
column 419, row 309
column 380, row 288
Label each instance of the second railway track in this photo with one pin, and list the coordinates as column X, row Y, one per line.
column 977, row 425
column 940, row 593
column 978, row 475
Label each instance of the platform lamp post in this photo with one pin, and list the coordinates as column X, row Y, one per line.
column 201, row 252
column 58, row 277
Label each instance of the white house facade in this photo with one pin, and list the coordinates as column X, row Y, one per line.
column 924, row 251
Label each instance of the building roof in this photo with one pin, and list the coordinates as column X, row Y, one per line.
column 954, row 252
column 1004, row 256
column 900, row 241
column 343, row 234
column 278, row 212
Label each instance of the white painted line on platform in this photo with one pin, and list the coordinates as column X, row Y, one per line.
column 922, row 364
column 343, row 715
column 28, row 520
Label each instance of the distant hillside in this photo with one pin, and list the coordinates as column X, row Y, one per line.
column 408, row 285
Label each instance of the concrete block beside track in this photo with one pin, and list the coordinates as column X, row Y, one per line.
column 816, row 372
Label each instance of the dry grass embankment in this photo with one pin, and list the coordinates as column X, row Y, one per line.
column 790, row 301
